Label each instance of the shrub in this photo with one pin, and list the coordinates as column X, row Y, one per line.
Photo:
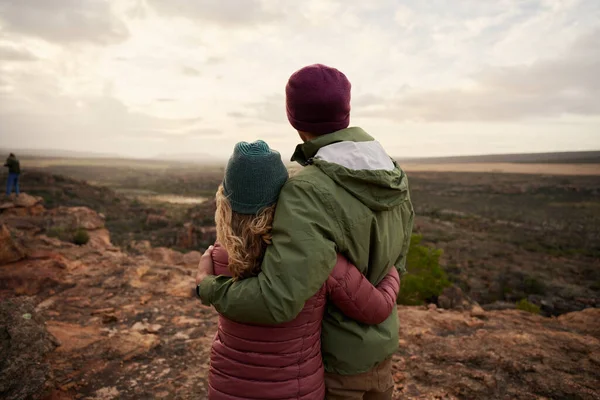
column 81, row 237
column 425, row 279
column 533, row 286
column 136, row 203
column 524, row 305
column 56, row 232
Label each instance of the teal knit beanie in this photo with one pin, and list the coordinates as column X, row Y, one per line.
column 254, row 177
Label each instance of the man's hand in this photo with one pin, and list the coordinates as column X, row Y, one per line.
column 205, row 267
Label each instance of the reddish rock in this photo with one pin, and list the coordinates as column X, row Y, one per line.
column 165, row 256
column 22, row 206
column 142, row 246
column 15, row 212
column 128, row 345
column 73, row 337
column 10, row 250
column 6, row 206
column 33, row 211
column 145, row 327
column 580, row 321
column 99, row 238
column 26, row 201
column 76, row 217
column 32, row 277
column 182, row 288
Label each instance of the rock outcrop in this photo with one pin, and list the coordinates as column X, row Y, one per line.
column 73, row 218
column 80, row 217
column 26, row 212
column 10, row 249
column 22, row 205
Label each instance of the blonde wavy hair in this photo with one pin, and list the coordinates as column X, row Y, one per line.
column 244, row 237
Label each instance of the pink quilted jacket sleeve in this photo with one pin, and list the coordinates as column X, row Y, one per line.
column 357, row 298
column 220, row 260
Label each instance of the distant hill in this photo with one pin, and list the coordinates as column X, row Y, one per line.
column 45, row 157
column 54, row 153
column 195, row 158
column 574, row 157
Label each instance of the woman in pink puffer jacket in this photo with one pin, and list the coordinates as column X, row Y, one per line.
column 278, row 361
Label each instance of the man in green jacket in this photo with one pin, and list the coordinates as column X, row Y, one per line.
column 351, row 198
column 14, row 171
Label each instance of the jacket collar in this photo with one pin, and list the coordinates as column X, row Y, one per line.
column 305, row 151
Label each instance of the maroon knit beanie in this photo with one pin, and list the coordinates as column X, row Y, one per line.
column 318, row 100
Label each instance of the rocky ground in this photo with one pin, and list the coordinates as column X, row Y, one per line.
column 94, row 322
column 170, row 225
column 508, row 237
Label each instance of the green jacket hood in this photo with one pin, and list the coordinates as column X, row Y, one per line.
column 359, row 164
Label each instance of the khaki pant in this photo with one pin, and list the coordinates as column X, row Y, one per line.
column 376, row 384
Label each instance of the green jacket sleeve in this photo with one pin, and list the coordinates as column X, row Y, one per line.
column 408, row 215
column 294, row 268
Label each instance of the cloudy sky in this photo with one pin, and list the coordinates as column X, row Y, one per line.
column 146, row 77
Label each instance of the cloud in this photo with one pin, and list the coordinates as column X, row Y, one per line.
column 112, row 115
column 171, row 131
column 214, row 60
column 488, row 67
column 237, row 115
column 366, row 100
column 189, row 71
column 223, row 12
column 12, row 53
column 545, row 88
column 5, row 87
column 91, row 123
column 64, row 21
column 271, row 109
column 204, row 132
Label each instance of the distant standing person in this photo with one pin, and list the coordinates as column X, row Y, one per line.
column 14, row 170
